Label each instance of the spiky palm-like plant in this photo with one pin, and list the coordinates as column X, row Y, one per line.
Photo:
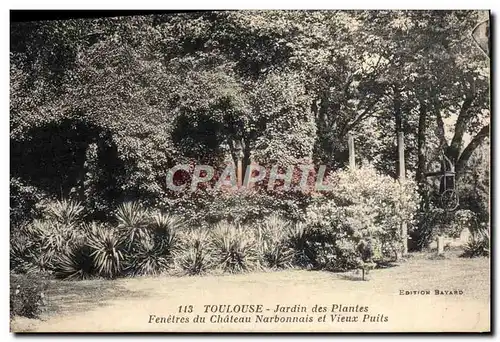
column 298, row 239
column 273, row 243
column 132, row 222
column 163, row 221
column 234, row 248
column 193, row 255
column 478, row 244
column 23, row 256
column 47, row 239
column 66, row 212
column 54, row 236
column 152, row 254
column 107, row 248
column 148, row 258
column 75, row 264
column 165, row 228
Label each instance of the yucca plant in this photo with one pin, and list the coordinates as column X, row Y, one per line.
column 234, row 248
column 152, row 253
column 148, row 258
column 165, row 230
column 163, row 221
column 66, row 212
column 478, row 244
column 107, row 248
column 22, row 254
column 299, row 240
column 54, row 236
column 132, row 222
column 193, row 255
column 46, row 239
column 273, row 243
column 75, row 264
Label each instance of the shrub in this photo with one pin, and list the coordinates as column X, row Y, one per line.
column 365, row 206
column 66, row 212
column 234, row 248
column 35, row 245
column 478, row 245
column 153, row 252
column 193, row 256
column 74, row 264
column 132, row 221
column 27, row 296
column 148, row 258
column 23, row 202
column 205, row 208
column 22, row 254
column 319, row 249
column 107, row 250
column 338, row 256
column 273, row 243
column 299, row 240
column 436, row 221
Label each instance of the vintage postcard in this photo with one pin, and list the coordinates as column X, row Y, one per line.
column 250, row 171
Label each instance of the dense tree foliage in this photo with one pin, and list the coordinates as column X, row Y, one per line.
column 101, row 108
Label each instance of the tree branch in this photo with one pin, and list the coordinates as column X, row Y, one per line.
column 471, row 147
column 460, row 128
column 462, row 122
column 440, row 131
column 360, row 117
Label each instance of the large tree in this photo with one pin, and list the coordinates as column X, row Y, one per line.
column 282, row 86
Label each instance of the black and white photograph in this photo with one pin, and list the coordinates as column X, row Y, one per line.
column 244, row 171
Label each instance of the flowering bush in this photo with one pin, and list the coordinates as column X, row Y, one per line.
column 364, row 206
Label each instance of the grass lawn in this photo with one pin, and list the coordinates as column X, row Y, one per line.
column 126, row 304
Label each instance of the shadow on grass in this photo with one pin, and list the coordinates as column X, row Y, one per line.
column 79, row 296
column 386, row 264
column 352, row 276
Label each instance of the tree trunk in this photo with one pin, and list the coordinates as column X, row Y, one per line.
column 398, row 123
column 246, row 157
column 470, row 148
column 453, row 151
column 421, row 139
